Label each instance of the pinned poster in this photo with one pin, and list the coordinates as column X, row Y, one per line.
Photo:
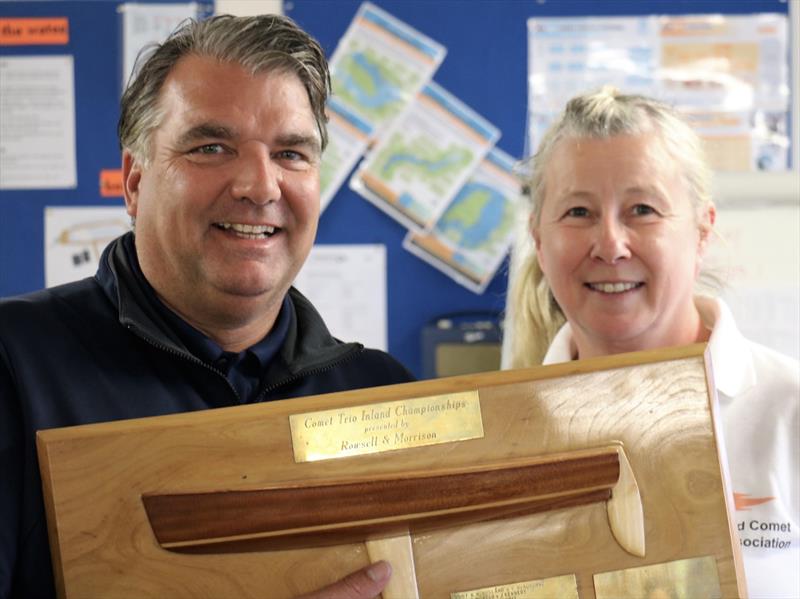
column 378, row 68
column 37, row 122
column 472, row 237
column 34, row 31
column 729, row 74
column 348, row 137
column 380, row 65
column 75, row 237
column 347, row 285
column 111, row 183
column 424, row 158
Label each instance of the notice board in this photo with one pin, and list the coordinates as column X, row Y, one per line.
column 485, row 67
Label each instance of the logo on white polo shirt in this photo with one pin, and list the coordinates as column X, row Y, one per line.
column 759, row 529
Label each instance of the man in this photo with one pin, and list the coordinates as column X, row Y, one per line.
column 222, row 132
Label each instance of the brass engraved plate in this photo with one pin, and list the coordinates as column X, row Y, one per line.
column 386, row 426
column 563, row 587
column 693, row 577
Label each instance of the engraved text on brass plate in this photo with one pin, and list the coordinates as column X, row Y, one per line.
column 564, row 587
column 386, row 426
column 693, row 577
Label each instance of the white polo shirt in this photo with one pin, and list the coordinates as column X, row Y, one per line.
column 758, row 390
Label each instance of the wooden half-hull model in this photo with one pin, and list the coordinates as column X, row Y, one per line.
column 598, row 478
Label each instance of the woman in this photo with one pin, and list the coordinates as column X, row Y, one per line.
column 620, row 219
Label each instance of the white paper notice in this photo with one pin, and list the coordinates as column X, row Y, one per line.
column 347, row 285
column 144, row 24
column 75, row 236
column 37, row 123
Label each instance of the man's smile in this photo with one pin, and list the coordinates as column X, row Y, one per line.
column 246, row 231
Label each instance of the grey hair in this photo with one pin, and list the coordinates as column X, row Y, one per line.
column 533, row 314
column 258, row 44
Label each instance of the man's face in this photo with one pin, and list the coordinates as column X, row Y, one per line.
column 227, row 208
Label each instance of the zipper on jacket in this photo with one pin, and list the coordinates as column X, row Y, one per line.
column 266, row 390
column 305, row 373
column 186, row 356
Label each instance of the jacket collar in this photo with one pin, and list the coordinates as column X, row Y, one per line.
column 308, row 344
column 731, row 359
column 116, row 275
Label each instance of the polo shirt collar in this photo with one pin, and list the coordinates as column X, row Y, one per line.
column 731, row 359
column 734, row 372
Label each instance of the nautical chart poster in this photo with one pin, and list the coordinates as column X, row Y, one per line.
column 380, row 64
column 473, row 235
column 424, row 158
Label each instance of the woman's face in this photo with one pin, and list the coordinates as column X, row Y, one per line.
column 620, row 243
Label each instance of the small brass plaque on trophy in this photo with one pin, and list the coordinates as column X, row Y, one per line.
column 564, row 587
column 386, row 426
column 693, row 577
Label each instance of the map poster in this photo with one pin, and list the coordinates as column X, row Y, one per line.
column 380, row 65
column 473, row 235
column 348, row 137
column 424, row 158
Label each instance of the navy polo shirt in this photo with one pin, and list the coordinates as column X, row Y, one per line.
column 244, row 369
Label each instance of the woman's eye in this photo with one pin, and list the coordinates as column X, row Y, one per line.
column 578, row 211
column 643, row 210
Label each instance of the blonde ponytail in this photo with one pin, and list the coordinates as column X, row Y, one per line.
column 535, row 317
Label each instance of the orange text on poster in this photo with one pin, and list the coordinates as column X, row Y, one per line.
column 47, row 31
column 111, row 183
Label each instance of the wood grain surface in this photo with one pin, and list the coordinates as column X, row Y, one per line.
column 656, row 404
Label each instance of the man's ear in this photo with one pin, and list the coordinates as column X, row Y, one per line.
column 131, row 177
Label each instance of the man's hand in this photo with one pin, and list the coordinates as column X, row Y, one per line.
column 366, row 583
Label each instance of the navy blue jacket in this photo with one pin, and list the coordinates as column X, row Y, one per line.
column 94, row 351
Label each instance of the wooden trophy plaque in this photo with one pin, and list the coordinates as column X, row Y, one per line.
column 591, row 479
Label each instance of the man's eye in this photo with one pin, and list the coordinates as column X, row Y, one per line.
column 290, row 155
column 578, row 211
column 209, row 149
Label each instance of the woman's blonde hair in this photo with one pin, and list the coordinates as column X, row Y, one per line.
column 533, row 316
